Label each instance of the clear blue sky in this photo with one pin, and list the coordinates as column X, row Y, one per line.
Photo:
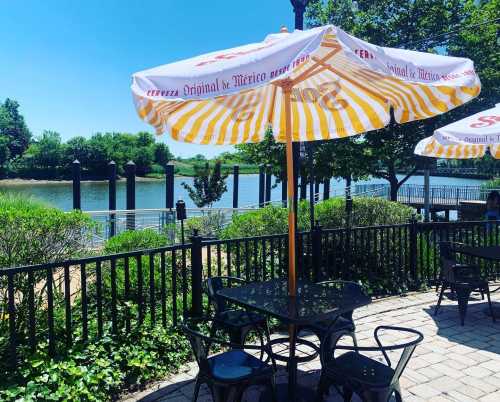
column 69, row 63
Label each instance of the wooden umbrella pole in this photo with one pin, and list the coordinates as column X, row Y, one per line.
column 287, row 89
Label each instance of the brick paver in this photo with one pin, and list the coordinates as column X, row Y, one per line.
column 453, row 363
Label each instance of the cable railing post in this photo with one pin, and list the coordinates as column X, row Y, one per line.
column 196, row 275
column 236, row 180
column 112, row 197
column 261, row 185
column 130, row 172
column 169, row 186
column 268, row 185
column 77, row 177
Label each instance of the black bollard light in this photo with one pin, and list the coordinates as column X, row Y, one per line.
column 180, row 208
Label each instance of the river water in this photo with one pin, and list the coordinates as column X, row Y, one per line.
column 151, row 194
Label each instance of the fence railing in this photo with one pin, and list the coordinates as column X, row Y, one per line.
column 415, row 193
column 77, row 300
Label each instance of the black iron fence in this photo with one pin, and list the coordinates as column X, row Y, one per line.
column 77, row 300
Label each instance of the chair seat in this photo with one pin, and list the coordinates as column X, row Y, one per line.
column 237, row 365
column 239, row 318
column 360, row 369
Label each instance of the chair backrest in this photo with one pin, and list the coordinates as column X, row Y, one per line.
column 346, row 288
column 407, row 348
column 216, row 283
column 200, row 343
column 448, row 259
column 451, row 269
column 202, row 334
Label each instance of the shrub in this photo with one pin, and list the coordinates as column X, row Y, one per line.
column 131, row 240
column 33, row 233
column 330, row 214
column 99, row 370
column 210, row 225
column 365, row 212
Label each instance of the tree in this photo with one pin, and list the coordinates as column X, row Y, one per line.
column 411, row 25
column 13, row 127
column 46, row 151
column 162, row 154
column 208, row 185
column 4, row 151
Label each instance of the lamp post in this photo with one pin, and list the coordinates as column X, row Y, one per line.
column 299, row 7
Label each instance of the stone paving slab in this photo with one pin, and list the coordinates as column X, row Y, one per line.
column 453, row 363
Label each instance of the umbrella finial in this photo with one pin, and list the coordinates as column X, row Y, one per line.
column 283, row 29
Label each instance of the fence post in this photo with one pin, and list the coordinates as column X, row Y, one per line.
column 303, row 187
column 196, row 275
column 236, row 181
column 316, row 190
column 130, row 172
column 169, row 186
column 413, row 248
column 77, row 177
column 284, row 191
column 112, row 197
column 261, row 185
column 317, row 252
column 268, row 184
column 326, row 189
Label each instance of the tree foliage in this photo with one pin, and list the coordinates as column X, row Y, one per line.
column 414, row 25
column 14, row 128
column 208, row 186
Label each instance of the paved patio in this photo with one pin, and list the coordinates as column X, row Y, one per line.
column 453, row 363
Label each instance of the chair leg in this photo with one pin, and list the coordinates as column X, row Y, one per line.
column 463, row 295
column 439, row 299
column 487, row 291
column 196, row 389
column 322, row 388
column 347, row 394
column 274, row 393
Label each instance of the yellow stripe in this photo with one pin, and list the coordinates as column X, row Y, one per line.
column 439, row 151
column 144, row 111
column 248, row 109
column 295, row 122
column 309, row 120
column 282, row 132
column 177, row 127
column 223, row 128
column 193, row 133
column 451, row 93
column 471, row 91
column 226, row 103
column 437, row 103
column 368, row 110
column 320, row 112
column 258, row 123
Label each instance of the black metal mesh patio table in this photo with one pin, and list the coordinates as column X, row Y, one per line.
column 312, row 303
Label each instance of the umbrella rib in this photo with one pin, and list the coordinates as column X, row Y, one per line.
column 321, row 63
column 345, row 77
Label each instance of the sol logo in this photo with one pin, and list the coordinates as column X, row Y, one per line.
column 486, row 121
column 325, row 94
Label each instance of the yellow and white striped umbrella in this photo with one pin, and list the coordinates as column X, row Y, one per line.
column 309, row 85
column 465, row 139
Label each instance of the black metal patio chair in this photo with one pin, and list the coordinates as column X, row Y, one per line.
column 372, row 380
column 344, row 324
column 237, row 322
column 229, row 373
column 461, row 279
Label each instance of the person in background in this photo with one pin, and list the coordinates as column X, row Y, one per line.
column 493, row 206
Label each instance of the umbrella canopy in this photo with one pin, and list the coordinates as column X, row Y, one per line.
column 309, row 85
column 466, row 138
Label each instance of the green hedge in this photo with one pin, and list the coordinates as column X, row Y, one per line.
column 330, row 214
